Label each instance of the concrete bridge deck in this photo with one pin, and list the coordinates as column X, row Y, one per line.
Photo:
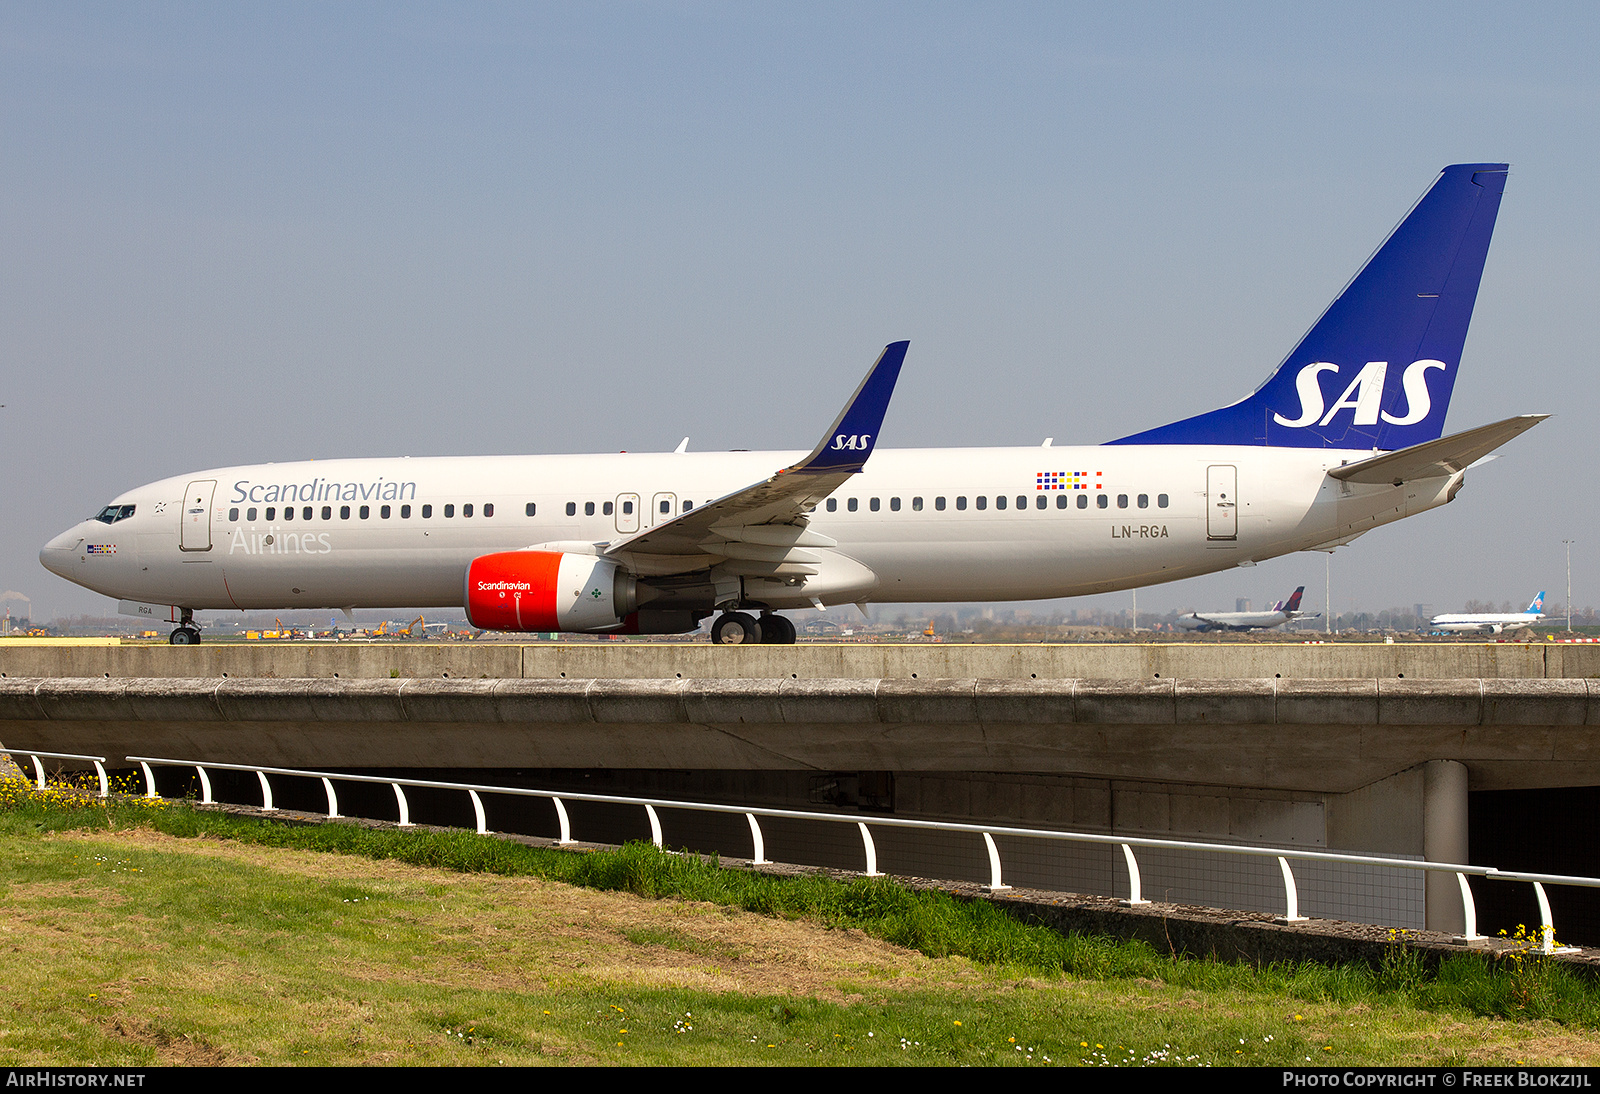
column 1329, row 736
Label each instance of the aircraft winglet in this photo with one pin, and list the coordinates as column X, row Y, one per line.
column 850, row 440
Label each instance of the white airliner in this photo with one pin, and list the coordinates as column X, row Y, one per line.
column 1344, row 436
column 1490, row 624
column 1282, row 612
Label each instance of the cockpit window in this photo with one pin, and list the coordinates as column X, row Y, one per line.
column 113, row 513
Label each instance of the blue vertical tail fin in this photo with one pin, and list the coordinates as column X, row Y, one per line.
column 1538, row 604
column 1377, row 369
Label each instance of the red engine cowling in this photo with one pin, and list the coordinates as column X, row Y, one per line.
column 548, row 591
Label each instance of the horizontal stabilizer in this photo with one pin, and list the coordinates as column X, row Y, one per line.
column 1435, row 459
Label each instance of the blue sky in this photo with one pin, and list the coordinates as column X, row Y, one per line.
column 251, row 232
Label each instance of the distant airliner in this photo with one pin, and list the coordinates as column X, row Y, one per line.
column 1280, row 614
column 1490, row 624
column 1345, row 435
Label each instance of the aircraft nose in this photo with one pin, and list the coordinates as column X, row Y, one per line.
column 57, row 555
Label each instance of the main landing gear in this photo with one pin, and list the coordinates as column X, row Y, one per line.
column 186, row 634
column 740, row 629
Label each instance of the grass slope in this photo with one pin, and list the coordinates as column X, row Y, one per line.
column 137, row 933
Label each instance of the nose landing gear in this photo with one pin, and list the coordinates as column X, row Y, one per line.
column 187, row 633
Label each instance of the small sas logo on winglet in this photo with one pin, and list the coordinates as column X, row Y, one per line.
column 1067, row 480
column 101, row 549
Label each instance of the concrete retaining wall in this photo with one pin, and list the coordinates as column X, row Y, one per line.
column 808, row 661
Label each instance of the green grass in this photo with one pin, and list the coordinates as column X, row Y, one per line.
column 228, row 943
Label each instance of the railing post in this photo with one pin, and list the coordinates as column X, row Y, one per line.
column 149, row 780
column 1547, row 928
column 995, row 884
column 266, row 794
column 205, row 784
column 1469, row 910
column 38, row 771
column 759, row 857
column 333, row 799
column 405, row 809
column 655, row 825
column 477, row 810
column 566, row 825
column 872, row 851
column 1292, row 897
column 105, row 783
column 1135, row 890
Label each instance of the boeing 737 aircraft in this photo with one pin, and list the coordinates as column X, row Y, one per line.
column 1490, row 624
column 1344, row 436
column 1280, row 614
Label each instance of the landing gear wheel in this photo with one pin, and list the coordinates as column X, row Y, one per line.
column 184, row 636
column 777, row 630
column 735, row 629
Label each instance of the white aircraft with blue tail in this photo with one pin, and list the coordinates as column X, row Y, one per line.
column 1490, row 624
column 1346, row 434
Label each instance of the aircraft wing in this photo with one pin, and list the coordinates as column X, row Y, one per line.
column 1435, row 459
column 768, row 518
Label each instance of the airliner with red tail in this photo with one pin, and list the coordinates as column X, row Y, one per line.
column 1346, row 434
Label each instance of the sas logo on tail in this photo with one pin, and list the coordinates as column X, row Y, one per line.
column 1364, row 395
column 855, row 442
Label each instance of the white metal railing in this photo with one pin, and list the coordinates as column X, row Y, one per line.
column 988, row 832
column 38, row 768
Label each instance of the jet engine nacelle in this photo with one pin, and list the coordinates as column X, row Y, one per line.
column 548, row 591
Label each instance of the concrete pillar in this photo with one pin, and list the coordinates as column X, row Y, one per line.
column 1444, row 839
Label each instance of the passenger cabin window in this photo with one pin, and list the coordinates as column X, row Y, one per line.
column 1083, row 501
column 305, row 513
column 572, row 508
column 606, row 508
column 894, row 505
column 366, row 511
column 405, row 512
column 466, row 510
column 981, row 502
column 449, row 511
column 1041, row 502
column 999, row 502
column 327, row 513
column 852, row 505
column 688, row 505
column 530, row 510
column 1103, row 501
column 833, row 505
column 961, row 502
column 250, row 514
column 384, row 511
column 1022, row 501
column 588, row 508
column 1161, row 501
column 272, row 514
column 233, row 514
column 916, row 505
column 427, row 512
column 488, row 509
column 666, row 506
column 1122, row 501
column 1144, row 501
column 1061, row 501
column 344, row 513
column 938, row 503
column 873, row 505
column 288, row 513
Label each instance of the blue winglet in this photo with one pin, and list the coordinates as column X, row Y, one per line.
column 1377, row 370
column 854, row 433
